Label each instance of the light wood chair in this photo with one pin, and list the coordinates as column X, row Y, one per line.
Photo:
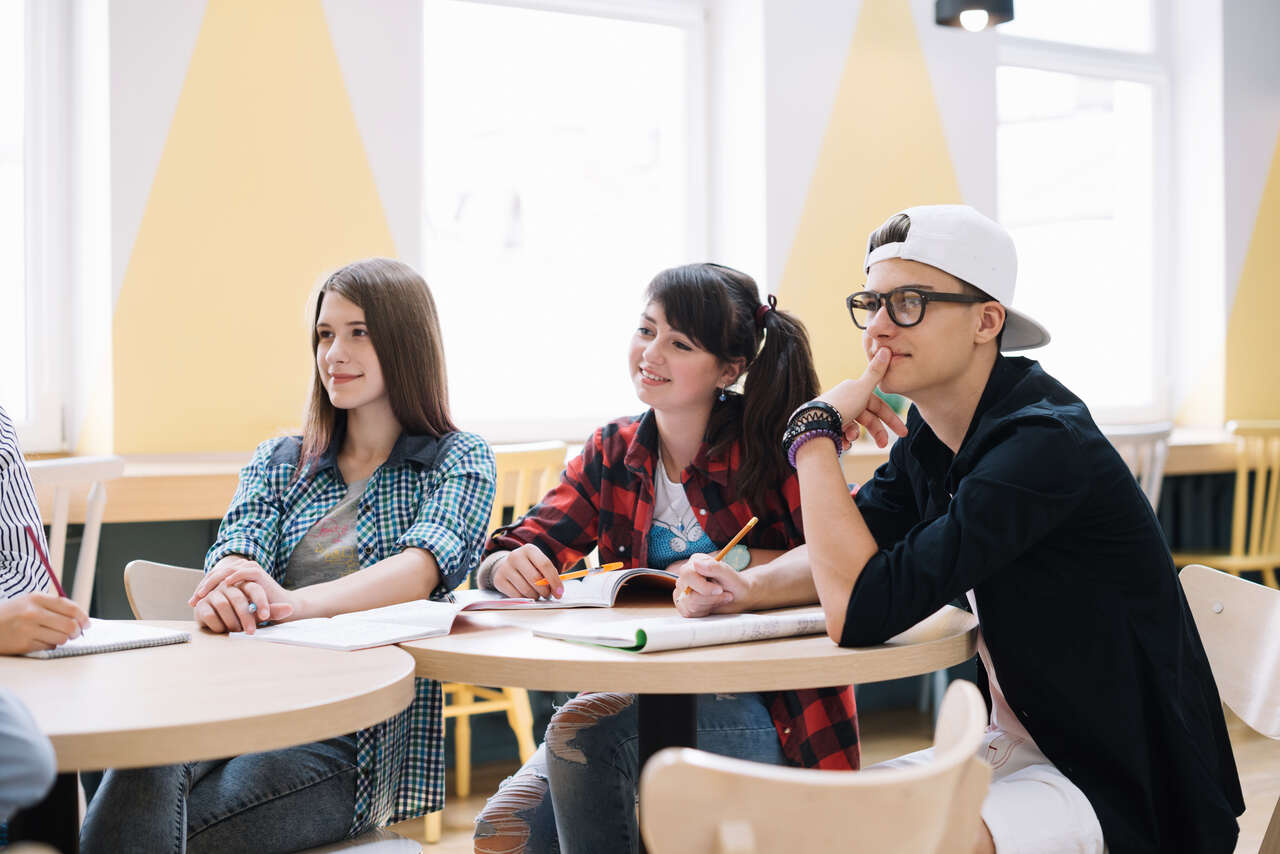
column 64, row 477
column 692, row 801
column 525, row 473
column 159, row 591
column 1255, row 511
column 1239, row 624
column 1143, row 447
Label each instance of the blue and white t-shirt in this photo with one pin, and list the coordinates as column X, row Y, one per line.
column 676, row 533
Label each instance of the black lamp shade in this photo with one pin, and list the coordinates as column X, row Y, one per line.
column 947, row 12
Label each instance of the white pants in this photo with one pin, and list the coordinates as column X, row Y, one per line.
column 1031, row 808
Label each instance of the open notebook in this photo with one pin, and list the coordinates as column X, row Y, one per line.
column 421, row 618
column 654, row 634
column 593, row 591
column 113, row 635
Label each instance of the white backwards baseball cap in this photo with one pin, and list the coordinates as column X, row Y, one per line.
column 958, row 240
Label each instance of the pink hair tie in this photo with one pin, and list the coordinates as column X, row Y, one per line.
column 769, row 305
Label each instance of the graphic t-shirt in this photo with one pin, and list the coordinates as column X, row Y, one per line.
column 328, row 549
column 675, row 533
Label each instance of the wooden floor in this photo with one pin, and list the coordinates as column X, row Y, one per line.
column 893, row 733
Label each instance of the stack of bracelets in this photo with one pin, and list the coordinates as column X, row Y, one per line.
column 812, row 419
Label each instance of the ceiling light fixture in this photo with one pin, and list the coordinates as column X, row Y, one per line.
column 973, row 15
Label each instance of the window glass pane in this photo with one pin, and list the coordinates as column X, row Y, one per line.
column 1116, row 24
column 556, row 186
column 1074, row 175
column 13, row 306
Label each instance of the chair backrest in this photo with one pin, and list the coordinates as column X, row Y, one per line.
column 1239, row 624
column 1143, row 447
column 158, row 591
column 525, row 473
column 63, row 477
column 692, row 801
column 1255, row 514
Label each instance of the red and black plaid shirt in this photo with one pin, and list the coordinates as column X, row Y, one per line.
column 605, row 500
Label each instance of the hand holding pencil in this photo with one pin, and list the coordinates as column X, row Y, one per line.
column 35, row 621
column 529, row 574
column 706, row 585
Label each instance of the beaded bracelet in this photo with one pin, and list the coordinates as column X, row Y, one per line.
column 814, row 417
column 812, row 434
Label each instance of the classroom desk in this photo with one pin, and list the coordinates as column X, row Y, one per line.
column 213, row 697
column 497, row 648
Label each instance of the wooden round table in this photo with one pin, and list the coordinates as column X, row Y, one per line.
column 213, row 697
column 497, row 648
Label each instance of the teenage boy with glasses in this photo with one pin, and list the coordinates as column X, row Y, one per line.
column 1106, row 727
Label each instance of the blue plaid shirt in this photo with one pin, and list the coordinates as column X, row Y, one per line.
column 432, row 494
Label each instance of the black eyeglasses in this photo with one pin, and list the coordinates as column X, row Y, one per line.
column 906, row 305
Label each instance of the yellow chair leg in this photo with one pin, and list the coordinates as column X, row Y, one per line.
column 462, row 745
column 433, row 827
column 1269, row 577
column 520, row 717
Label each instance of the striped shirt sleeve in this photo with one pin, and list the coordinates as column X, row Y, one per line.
column 20, row 568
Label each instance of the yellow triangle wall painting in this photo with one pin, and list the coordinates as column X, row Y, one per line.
column 1253, row 347
column 263, row 185
column 883, row 150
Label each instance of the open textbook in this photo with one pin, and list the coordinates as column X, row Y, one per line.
column 594, row 591
column 653, row 634
column 422, row 618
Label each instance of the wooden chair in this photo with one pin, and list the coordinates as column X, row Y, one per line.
column 525, row 473
column 692, row 801
column 1255, row 513
column 1239, row 624
column 159, row 591
column 1144, row 448
column 63, row 477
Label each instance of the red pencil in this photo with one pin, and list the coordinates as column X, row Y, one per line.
column 35, row 541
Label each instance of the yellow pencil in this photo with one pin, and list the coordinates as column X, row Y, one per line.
column 608, row 567
column 751, row 523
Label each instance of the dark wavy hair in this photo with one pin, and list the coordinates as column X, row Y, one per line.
column 404, row 327
column 716, row 307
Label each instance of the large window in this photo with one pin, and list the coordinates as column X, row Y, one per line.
column 1082, row 173
column 563, row 169
column 13, row 226
column 36, row 203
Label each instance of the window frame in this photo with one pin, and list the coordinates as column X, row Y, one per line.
column 1153, row 69
column 693, row 17
column 49, row 174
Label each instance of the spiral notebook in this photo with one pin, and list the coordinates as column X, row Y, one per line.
column 111, row 636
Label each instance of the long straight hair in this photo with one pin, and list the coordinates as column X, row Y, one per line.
column 718, row 307
column 404, row 327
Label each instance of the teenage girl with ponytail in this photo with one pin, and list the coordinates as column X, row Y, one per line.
column 653, row 490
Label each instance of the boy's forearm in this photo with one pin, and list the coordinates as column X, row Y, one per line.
column 839, row 541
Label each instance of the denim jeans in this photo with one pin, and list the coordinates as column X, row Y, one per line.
column 577, row 793
column 277, row 801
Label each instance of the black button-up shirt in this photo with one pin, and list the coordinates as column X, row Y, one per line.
column 1079, row 602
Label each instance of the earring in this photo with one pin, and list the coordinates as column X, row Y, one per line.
column 722, row 395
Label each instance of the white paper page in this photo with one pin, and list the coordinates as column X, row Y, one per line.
column 420, row 612
column 341, row 634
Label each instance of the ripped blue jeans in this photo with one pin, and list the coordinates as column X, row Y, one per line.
column 577, row 793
